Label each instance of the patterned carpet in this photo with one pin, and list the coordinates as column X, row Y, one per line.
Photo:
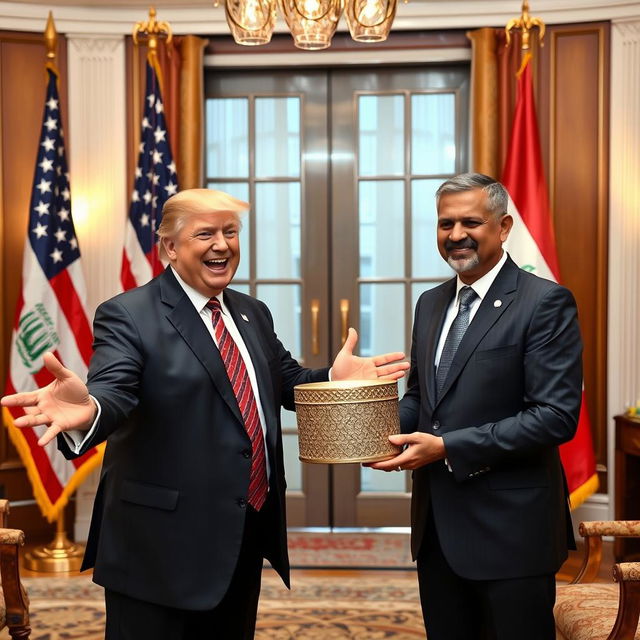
column 379, row 606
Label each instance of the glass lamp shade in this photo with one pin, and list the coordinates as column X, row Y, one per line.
column 251, row 21
column 312, row 22
column 370, row 20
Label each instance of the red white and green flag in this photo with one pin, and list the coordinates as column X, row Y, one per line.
column 532, row 246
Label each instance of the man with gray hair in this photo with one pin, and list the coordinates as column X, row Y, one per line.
column 185, row 385
column 494, row 388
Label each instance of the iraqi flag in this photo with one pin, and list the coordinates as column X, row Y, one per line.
column 532, row 246
column 50, row 314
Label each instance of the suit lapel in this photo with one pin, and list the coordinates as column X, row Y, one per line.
column 503, row 290
column 186, row 321
column 437, row 315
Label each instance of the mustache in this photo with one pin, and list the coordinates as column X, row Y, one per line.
column 467, row 243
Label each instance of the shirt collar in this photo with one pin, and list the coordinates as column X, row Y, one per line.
column 197, row 299
column 482, row 285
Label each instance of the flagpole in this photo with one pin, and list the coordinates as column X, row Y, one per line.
column 61, row 554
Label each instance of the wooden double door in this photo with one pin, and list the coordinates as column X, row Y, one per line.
column 340, row 166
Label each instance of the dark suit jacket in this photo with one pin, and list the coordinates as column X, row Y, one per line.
column 170, row 508
column 511, row 397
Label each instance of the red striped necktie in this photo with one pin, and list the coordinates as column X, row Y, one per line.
column 239, row 378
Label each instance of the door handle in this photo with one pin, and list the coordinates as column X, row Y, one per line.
column 315, row 324
column 344, row 319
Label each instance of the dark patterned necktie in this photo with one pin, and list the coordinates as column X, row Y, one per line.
column 456, row 331
column 239, row 378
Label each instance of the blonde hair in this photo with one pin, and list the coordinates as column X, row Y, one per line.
column 192, row 201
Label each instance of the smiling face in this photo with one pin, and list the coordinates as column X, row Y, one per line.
column 470, row 237
column 205, row 251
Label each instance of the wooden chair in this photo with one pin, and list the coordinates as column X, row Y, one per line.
column 14, row 603
column 600, row 611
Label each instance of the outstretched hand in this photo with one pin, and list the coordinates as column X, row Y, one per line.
column 346, row 366
column 62, row 405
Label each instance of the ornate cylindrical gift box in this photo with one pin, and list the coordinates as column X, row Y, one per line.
column 347, row 421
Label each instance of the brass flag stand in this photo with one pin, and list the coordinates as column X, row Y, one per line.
column 61, row 554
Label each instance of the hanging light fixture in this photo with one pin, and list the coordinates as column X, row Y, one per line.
column 251, row 21
column 370, row 20
column 312, row 22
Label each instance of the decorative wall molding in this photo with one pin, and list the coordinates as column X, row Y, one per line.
column 624, row 224
column 97, row 165
column 118, row 18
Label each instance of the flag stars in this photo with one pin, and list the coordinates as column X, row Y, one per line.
column 145, row 123
column 46, row 165
column 64, row 214
column 155, row 179
column 151, row 98
column 56, row 256
column 51, row 124
column 135, row 196
column 172, row 167
column 44, row 186
column 65, row 194
column 159, row 135
column 171, row 189
column 40, row 230
column 73, row 243
column 147, row 196
column 144, row 220
column 141, row 147
column 52, row 104
column 61, row 235
column 157, row 156
column 159, row 107
column 138, row 172
column 48, row 143
column 42, row 208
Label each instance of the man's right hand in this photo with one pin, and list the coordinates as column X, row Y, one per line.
column 62, row 405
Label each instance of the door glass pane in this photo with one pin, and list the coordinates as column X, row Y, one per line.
column 381, row 135
column 426, row 259
column 292, row 464
column 381, row 214
column 283, row 301
column 278, row 237
column 372, row 480
column 433, row 130
column 381, row 318
column 278, row 137
column 227, row 137
column 239, row 190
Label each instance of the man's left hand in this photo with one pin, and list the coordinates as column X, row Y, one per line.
column 421, row 448
column 346, row 366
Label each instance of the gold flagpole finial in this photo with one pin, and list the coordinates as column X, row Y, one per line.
column 51, row 41
column 525, row 23
column 151, row 30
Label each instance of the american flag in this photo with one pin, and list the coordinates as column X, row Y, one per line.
column 50, row 313
column 155, row 181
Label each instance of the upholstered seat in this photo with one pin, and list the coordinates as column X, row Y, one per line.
column 14, row 603
column 594, row 611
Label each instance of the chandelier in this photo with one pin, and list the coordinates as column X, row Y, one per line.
column 312, row 23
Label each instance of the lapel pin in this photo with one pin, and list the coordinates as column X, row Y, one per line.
column 244, row 317
column 497, row 303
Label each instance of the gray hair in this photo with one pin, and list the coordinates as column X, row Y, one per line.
column 497, row 197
